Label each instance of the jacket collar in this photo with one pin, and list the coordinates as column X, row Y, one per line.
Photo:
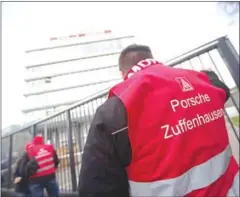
column 140, row 66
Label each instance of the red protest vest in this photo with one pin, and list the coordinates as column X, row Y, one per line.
column 45, row 159
column 177, row 131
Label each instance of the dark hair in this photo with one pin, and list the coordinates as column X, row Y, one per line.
column 141, row 52
column 135, row 48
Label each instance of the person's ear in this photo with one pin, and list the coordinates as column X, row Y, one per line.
column 122, row 74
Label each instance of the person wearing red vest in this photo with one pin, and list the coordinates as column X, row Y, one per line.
column 43, row 176
column 162, row 132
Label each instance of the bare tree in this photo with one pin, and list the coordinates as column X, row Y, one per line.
column 229, row 8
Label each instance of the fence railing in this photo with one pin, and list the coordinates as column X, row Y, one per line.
column 67, row 130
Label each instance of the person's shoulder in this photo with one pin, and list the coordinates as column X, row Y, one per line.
column 111, row 102
column 112, row 113
column 24, row 154
column 112, row 105
column 50, row 146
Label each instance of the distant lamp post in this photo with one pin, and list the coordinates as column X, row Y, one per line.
column 47, row 80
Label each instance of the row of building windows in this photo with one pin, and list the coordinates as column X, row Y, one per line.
column 204, row 62
column 71, row 66
column 73, row 79
column 65, row 96
column 77, row 51
column 53, row 82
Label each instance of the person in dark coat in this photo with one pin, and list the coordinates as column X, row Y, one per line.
column 2, row 181
column 21, row 183
column 30, row 167
column 106, row 156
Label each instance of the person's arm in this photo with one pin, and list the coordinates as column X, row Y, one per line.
column 2, row 180
column 22, row 164
column 106, row 156
column 215, row 81
column 56, row 159
column 16, row 171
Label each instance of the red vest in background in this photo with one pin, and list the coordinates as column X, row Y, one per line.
column 177, row 131
column 45, row 159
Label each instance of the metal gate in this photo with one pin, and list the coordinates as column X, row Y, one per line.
column 67, row 130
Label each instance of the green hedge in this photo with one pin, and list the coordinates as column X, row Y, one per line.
column 236, row 121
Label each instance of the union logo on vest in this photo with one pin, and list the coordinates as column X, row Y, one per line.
column 184, row 84
column 42, row 153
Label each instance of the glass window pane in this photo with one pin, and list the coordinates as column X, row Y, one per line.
column 77, row 51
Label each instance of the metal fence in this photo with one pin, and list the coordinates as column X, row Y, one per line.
column 67, row 130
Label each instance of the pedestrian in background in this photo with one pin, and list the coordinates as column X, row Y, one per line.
column 41, row 162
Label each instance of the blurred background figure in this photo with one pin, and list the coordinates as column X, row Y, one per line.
column 40, row 163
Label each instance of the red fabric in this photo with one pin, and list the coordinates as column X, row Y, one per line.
column 34, row 152
column 38, row 140
column 221, row 187
column 28, row 146
column 146, row 95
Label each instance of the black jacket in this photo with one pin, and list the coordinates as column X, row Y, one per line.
column 107, row 151
column 26, row 167
column 22, row 186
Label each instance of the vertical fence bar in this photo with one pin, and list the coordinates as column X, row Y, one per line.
column 230, row 57
column 81, row 130
column 71, row 152
column 219, row 74
column 10, row 161
column 33, row 130
column 79, row 136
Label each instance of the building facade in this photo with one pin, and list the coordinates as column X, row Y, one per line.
column 70, row 69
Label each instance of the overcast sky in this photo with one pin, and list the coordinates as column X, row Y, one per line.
column 168, row 28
